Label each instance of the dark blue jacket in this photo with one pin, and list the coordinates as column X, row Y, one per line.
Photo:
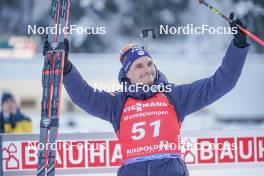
column 186, row 98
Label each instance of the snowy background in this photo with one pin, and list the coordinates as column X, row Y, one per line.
column 124, row 20
column 183, row 58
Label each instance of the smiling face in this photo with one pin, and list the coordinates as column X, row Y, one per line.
column 142, row 71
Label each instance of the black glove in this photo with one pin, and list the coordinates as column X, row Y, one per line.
column 240, row 39
column 67, row 63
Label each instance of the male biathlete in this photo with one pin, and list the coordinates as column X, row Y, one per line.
column 144, row 119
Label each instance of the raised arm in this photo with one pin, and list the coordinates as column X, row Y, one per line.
column 94, row 102
column 189, row 98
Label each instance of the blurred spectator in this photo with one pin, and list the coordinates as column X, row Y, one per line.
column 11, row 119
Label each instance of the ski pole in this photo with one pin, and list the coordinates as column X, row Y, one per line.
column 218, row 12
column 144, row 34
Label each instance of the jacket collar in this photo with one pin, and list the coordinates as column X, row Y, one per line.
column 159, row 82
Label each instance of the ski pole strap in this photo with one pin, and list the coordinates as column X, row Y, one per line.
column 47, row 123
column 151, row 157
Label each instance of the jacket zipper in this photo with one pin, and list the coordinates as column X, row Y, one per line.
column 148, row 168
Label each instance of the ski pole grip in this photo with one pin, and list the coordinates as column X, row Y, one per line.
column 154, row 36
column 252, row 36
column 145, row 32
